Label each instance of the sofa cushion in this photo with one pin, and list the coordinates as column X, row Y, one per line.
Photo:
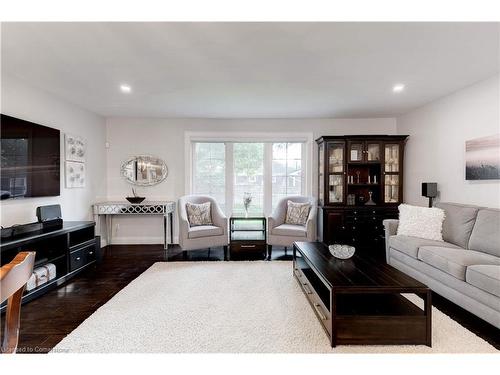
column 290, row 230
column 485, row 277
column 462, row 293
column 458, row 222
column 485, row 235
column 409, row 245
column 454, row 261
column 204, row 231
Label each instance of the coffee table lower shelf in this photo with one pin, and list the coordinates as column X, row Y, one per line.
column 375, row 315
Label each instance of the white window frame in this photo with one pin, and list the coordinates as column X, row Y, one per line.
column 237, row 137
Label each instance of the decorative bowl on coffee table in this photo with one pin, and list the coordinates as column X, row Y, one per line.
column 342, row 251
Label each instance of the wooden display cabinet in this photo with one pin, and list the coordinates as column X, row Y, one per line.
column 360, row 183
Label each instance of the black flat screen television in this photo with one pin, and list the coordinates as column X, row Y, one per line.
column 30, row 165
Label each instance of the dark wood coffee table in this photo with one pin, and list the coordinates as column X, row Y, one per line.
column 358, row 301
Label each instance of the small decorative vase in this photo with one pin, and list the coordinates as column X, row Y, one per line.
column 370, row 201
column 247, row 199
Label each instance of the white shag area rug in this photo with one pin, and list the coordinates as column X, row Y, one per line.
column 229, row 307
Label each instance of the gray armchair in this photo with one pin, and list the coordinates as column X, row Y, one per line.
column 281, row 234
column 202, row 236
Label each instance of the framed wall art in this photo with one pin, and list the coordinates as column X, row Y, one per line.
column 75, row 174
column 75, row 148
column 482, row 158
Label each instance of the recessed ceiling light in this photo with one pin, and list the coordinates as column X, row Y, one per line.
column 126, row 89
column 398, row 88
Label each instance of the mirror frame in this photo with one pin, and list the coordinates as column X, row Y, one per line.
column 126, row 162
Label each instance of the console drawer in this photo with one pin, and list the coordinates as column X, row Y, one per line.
column 81, row 257
column 248, row 247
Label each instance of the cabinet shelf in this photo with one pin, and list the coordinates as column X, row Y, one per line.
column 41, row 287
column 248, row 235
column 50, row 260
column 363, row 163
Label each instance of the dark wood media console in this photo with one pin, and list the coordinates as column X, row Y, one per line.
column 358, row 301
column 70, row 247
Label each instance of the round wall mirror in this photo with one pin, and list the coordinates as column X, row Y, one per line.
column 144, row 170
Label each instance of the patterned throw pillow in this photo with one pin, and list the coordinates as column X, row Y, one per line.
column 297, row 213
column 199, row 214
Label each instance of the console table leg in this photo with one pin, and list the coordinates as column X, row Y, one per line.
column 165, row 242
column 109, row 229
column 97, row 220
column 171, row 220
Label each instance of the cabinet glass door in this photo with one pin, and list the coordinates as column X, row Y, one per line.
column 321, row 177
column 392, row 158
column 335, row 158
column 356, row 151
column 391, row 193
column 392, row 179
column 373, row 152
column 336, row 167
column 336, row 188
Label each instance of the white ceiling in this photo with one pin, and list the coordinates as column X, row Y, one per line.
column 250, row 70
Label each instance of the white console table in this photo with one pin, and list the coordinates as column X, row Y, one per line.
column 108, row 209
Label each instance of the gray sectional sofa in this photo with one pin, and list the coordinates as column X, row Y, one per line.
column 465, row 268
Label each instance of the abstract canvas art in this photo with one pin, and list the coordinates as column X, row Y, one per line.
column 75, row 174
column 75, row 147
column 482, row 158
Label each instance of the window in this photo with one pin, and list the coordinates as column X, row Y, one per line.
column 266, row 170
column 248, row 159
column 286, row 170
column 209, row 171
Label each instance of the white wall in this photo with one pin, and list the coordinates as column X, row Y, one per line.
column 435, row 151
column 165, row 138
column 22, row 101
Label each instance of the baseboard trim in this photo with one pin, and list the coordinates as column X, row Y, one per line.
column 137, row 241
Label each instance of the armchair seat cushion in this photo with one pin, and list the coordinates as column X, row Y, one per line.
column 485, row 277
column 454, row 261
column 200, row 231
column 291, row 230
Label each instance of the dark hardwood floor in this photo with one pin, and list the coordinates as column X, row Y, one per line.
column 48, row 319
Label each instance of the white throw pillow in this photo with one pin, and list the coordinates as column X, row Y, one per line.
column 199, row 214
column 297, row 213
column 422, row 222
